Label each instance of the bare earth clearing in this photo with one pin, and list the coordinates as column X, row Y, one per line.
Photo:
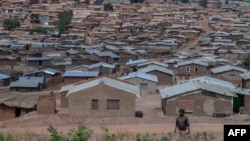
column 153, row 122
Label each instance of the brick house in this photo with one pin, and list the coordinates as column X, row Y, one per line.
column 13, row 105
column 146, row 82
column 107, row 57
column 103, row 68
column 245, row 80
column 37, row 61
column 165, row 76
column 9, row 3
column 73, row 76
column 46, row 104
column 102, row 97
column 229, row 73
column 197, row 98
column 151, row 63
column 28, row 84
column 4, row 80
column 190, row 69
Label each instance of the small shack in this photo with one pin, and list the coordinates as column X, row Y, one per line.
column 13, row 105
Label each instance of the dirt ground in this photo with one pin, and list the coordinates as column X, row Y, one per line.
column 153, row 121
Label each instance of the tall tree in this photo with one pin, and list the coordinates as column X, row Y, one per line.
column 245, row 62
column 11, row 24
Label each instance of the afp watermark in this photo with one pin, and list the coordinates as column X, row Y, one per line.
column 235, row 132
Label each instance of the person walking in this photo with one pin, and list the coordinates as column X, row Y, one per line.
column 183, row 126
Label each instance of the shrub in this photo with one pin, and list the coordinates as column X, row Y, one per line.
column 108, row 7
column 54, row 135
column 106, row 136
column 11, row 24
column 81, row 134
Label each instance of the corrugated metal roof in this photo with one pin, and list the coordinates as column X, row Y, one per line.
column 49, row 71
column 141, row 75
column 31, row 79
column 178, row 89
column 37, row 58
column 107, row 81
column 66, row 88
column 75, row 73
column 195, row 85
column 214, row 81
column 154, row 63
column 3, row 76
column 23, row 84
column 245, row 75
column 135, row 62
column 157, row 68
column 107, row 54
column 227, row 68
column 101, row 64
column 197, row 62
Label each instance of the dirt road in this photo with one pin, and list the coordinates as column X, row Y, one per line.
column 193, row 43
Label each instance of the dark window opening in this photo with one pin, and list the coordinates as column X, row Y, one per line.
column 196, row 69
column 17, row 112
column 113, row 104
column 94, row 104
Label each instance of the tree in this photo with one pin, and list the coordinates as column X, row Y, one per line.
column 108, row 7
column 226, row 2
column 11, row 24
column 245, row 62
column 203, row 3
column 64, row 19
column 136, row 1
column 184, row 1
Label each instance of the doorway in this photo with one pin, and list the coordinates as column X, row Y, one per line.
column 18, row 112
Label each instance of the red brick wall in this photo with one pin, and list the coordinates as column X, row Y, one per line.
column 46, row 104
column 6, row 63
column 71, row 80
column 225, row 76
column 6, row 4
column 182, row 74
column 163, row 78
column 6, row 112
column 53, row 81
column 247, row 103
column 204, row 104
column 246, row 84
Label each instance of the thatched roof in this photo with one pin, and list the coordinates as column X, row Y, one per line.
column 19, row 100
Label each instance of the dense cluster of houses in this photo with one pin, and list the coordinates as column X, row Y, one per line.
column 106, row 60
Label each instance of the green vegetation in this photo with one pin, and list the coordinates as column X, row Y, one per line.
column 83, row 133
column 136, row 1
column 108, row 7
column 201, row 136
column 11, row 24
column 41, row 30
column 64, row 19
column 245, row 62
column 185, row 1
column 203, row 3
column 226, row 2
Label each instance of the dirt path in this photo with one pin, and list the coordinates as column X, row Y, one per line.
column 192, row 43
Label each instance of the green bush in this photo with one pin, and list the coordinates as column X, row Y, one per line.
column 54, row 135
column 82, row 133
column 11, row 24
column 106, row 136
column 108, row 7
